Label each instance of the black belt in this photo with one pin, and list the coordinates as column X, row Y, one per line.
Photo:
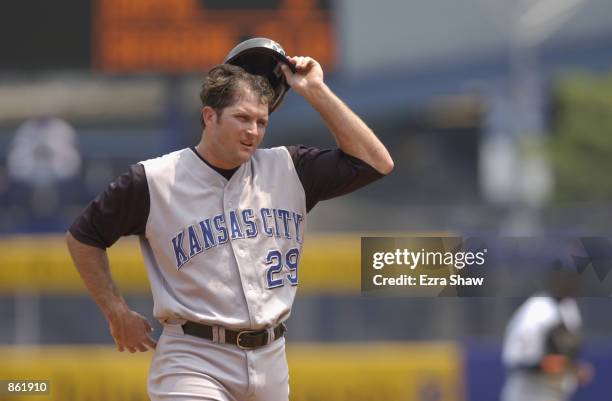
column 245, row 339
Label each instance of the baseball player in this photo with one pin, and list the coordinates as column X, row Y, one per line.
column 221, row 228
column 541, row 347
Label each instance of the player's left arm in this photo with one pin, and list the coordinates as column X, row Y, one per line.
column 352, row 135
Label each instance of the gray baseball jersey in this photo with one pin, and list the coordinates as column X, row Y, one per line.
column 235, row 244
column 179, row 206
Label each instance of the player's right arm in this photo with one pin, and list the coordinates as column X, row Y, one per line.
column 129, row 329
column 121, row 209
column 351, row 133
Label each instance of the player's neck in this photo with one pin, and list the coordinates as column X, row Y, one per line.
column 211, row 160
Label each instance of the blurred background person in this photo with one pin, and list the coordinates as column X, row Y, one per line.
column 542, row 345
column 42, row 156
column 43, row 152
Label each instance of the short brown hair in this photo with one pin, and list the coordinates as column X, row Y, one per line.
column 223, row 83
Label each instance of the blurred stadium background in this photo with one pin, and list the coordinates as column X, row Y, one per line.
column 498, row 114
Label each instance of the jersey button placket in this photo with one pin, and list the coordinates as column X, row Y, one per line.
column 228, row 203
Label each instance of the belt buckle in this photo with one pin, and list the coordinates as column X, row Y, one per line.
column 246, row 332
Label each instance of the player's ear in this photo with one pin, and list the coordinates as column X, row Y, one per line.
column 209, row 115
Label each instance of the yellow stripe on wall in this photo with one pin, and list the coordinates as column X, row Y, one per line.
column 330, row 263
column 376, row 372
column 330, row 372
column 78, row 373
column 42, row 264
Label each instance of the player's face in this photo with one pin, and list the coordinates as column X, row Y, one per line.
column 236, row 133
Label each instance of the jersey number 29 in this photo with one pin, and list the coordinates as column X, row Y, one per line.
column 275, row 260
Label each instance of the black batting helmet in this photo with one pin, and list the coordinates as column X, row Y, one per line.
column 262, row 56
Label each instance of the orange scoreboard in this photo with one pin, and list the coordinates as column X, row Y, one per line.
column 181, row 36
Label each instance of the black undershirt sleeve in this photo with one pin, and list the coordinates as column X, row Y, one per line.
column 561, row 341
column 121, row 209
column 328, row 173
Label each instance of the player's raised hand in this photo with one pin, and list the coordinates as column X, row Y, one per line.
column 131, row 331
column 308, row 75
